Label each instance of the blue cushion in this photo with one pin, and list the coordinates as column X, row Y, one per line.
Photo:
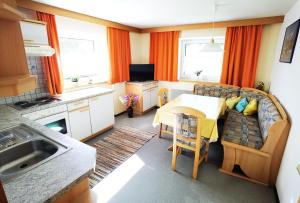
column 241, row 105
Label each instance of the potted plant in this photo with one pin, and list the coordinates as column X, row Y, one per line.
column 130, row 100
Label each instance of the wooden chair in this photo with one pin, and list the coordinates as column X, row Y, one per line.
column 163, row 99
column 163, row 96
column 187, row 135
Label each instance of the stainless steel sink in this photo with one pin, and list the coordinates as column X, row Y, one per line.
column 23, row 148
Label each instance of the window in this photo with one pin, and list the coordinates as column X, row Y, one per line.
column 197, row 65
column 84, row 53
column 78, row 58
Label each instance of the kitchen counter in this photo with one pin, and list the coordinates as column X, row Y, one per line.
column 48, row 181
column 83, row 94
column 69, row 97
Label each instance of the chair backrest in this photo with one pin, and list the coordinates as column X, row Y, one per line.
column 188, row 121
column 163, row 96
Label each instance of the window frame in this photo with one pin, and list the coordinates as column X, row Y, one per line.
column 69, row 28
column 182, row 52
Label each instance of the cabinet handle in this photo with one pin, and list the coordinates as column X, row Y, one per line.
column 94, row 99
column 78, row 103
column 82, row 109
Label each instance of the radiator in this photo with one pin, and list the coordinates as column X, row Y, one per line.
column 176, row 92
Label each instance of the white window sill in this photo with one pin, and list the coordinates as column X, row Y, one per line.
column 76, row 87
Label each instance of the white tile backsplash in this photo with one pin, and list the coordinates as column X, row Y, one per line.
column 35, row 66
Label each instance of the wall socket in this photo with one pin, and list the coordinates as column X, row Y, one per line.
column 298, row 169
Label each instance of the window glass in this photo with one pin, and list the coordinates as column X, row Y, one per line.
column 84, row 53
column 198, row 65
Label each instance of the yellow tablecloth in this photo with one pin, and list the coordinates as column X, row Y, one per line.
column 213, row 108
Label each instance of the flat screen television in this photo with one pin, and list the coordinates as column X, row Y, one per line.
column 141, row 72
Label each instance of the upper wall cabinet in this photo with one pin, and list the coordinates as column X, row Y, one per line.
column 35, row 38
column 14, row 74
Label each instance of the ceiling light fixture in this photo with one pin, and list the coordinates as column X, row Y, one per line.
column 212, row 46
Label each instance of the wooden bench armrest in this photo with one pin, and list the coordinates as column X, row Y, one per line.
column 244, row 148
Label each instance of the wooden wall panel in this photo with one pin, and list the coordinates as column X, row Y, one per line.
column 231, row 23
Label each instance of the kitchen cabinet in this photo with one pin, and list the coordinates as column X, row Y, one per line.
column 14, row 74
column 35, row 38
column 146, row 99
column 101, row 112
column 147, row 92
column 153, row 96
column 89, row 117
column 34, row 32
column 79, row 118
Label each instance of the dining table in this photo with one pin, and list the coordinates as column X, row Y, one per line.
column 212, row 107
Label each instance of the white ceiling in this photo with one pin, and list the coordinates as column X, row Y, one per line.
column 154, row 13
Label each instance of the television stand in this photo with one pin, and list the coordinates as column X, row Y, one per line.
column 147, row 92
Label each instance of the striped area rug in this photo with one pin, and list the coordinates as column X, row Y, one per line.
column 115, row 149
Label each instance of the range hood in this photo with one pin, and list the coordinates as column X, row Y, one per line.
column 35, row 38
column 38, row 50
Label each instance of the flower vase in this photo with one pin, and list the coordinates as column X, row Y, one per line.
column 130, row 112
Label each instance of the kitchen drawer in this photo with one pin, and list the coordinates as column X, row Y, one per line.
column 78, row 104
column 149, row 86
column 46, row 112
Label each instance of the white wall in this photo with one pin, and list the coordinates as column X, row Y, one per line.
column 284, row 85
column 139, row 45
column 202, row 33
column 267, row 53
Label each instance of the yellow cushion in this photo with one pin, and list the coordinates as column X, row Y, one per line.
column 251, row 108
column 231, row 102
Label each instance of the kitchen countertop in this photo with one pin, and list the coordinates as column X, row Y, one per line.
column 83, row 94
column 69, row 97
column 48, row 181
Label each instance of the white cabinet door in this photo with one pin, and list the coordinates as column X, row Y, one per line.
column 80, row 123
column 146, row 99
column 34, row 33
column 154, row 97
column 102, row 112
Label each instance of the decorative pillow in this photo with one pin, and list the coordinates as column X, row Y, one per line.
column 251, row 108
column 241, row 105
column 231, row 102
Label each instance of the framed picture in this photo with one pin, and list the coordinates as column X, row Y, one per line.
column 289, row 42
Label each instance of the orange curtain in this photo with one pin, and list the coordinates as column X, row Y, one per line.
column 241, row 55
column 164, row 55
column 119, row 53
column 52, row 64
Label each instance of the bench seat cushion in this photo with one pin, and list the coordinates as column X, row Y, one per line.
column 242, row 130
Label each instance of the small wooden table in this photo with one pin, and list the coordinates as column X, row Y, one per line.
column 212, row 107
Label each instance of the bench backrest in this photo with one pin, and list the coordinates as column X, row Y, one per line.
column 216, row 90
column 251, row 93
column 268, row 114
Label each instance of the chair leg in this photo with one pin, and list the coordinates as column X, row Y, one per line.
column 196, row 164
column 206, row 151
column 160, row 129
column 174, row 156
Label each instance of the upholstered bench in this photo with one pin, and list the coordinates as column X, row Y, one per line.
column 242, row 130
column 216, row 90
column 254, row 143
